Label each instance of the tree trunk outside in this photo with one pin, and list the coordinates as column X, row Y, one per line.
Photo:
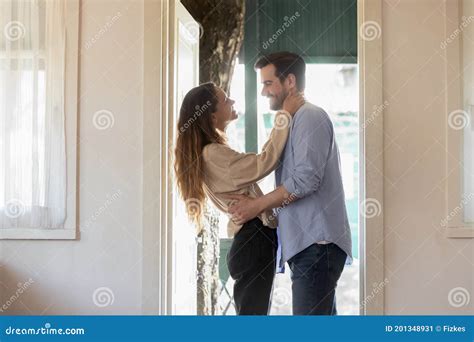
column 208, row 264
column 222, row 32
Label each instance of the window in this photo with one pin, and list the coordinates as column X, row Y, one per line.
column 458, row 48
column 34, row 161
column 467, row 118
column 459, row 51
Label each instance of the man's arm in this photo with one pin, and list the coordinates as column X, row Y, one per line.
column 313, row 138
column 247, row 208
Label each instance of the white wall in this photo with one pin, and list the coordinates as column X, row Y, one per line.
column 422, row 265
column 108, row 253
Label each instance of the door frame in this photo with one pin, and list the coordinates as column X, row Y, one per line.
column 157, row 242
column 156, row 290
column 371, row 151
column 159, row 126
column 181, row 232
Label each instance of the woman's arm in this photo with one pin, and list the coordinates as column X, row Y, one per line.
column 247, row 168
column 242, row 169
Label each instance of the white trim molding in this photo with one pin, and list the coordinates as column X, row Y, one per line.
column 156, row 262
column 455, row 226
column 371, row 241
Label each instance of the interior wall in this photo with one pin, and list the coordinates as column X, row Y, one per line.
column 101, row 272
column 425, row 270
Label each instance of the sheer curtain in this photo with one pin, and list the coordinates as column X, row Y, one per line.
column 32, row 133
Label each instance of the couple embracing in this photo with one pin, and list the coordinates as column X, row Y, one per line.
column 305, row 215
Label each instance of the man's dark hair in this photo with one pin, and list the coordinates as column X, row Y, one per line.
column 285, row 63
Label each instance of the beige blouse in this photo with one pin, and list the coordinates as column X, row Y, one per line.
column 230, row 172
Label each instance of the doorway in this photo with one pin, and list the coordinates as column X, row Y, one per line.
column 370, row 185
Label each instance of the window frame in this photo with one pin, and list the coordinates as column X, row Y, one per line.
column 69, row 230
column 455, row 226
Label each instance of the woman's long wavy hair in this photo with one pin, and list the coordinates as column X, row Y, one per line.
column 195, row 130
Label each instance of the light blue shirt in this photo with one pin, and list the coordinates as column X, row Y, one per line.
column 310, row 170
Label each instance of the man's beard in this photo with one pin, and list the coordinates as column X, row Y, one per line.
column 277, row 104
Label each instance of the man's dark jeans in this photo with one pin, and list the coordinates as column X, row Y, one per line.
column 314, row 273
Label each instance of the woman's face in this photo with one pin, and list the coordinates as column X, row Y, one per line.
column 225, row 111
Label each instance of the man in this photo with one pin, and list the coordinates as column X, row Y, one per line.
column 313, row 228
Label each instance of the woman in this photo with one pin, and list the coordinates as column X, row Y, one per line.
column 206, row 166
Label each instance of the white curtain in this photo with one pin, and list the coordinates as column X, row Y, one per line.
column 32, row 131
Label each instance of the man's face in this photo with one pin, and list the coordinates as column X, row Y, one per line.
column 273, row 89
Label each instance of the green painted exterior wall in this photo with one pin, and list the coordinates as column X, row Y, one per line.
column 322, row 31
